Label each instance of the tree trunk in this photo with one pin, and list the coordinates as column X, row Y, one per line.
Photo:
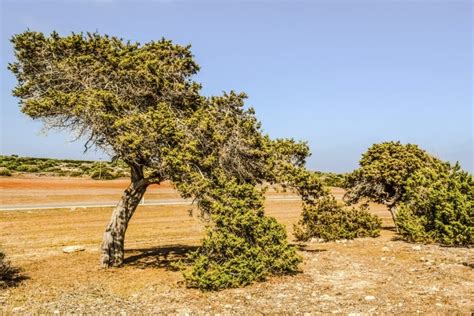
column 393, row 212
column 114, row 236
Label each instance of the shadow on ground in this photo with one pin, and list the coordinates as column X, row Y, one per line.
column 11, row 276
column 167, row 257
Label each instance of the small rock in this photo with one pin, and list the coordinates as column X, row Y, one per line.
column 416, row 248
column 56, row 312
column 71, row 249
column 325, row 297
column 439, row 304
column 370, row 298
column 17, row 309
column 385, row 249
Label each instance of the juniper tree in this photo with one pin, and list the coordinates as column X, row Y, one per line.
column 384, row 171
column 139, row 104
column 124, row 98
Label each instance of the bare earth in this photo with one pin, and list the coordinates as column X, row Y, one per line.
column 366, row 276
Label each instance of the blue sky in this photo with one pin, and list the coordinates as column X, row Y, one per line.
column 340, row 74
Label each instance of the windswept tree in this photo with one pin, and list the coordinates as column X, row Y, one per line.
column 384, row 171
column 124, row 98
column 139, row 104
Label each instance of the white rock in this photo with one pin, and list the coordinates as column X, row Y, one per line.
column 370, row 298
column 385, row 249
column 416, row 248
column 325, row 297
column 71, row 249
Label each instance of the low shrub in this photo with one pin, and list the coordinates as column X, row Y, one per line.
column 22, row 168
column 76, row 174
column 32, row 169
column 5, row 172
column 438, row 207
column 329, row 220
column 103, row 174
column 242, row 245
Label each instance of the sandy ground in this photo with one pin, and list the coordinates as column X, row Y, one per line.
column 369, row 275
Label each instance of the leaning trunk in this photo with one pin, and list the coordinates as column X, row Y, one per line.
column 393, row 212
column 114, row 236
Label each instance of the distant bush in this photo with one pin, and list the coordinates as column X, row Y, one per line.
column 438, row 207
column 330, row 179
column 103, row 174
column 5, row 172
column 76, row 174
column 22, row 168
column 8, row 274
column 32, row 169
column 328, row 220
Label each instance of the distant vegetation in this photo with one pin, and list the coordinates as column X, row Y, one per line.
column 105, row 170
column 331, row 179
column 10, row 165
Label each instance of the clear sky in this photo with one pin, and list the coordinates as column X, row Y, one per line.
column 340, row 74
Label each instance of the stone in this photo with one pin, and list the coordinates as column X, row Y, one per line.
column 416, row 248
column 385, row 249
column 71, row 249
column 370, row 298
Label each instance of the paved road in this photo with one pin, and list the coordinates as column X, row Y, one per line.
column 111, row 204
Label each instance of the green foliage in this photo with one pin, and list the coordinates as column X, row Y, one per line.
column 438, row 207
column 384, row 171
column 331, row 179
column 328, row 220
column 123, row 97
column 242, row 245
column 5, row 172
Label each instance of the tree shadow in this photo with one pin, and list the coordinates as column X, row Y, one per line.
column 11, row 276
column 304, row 247
column 165, row 257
